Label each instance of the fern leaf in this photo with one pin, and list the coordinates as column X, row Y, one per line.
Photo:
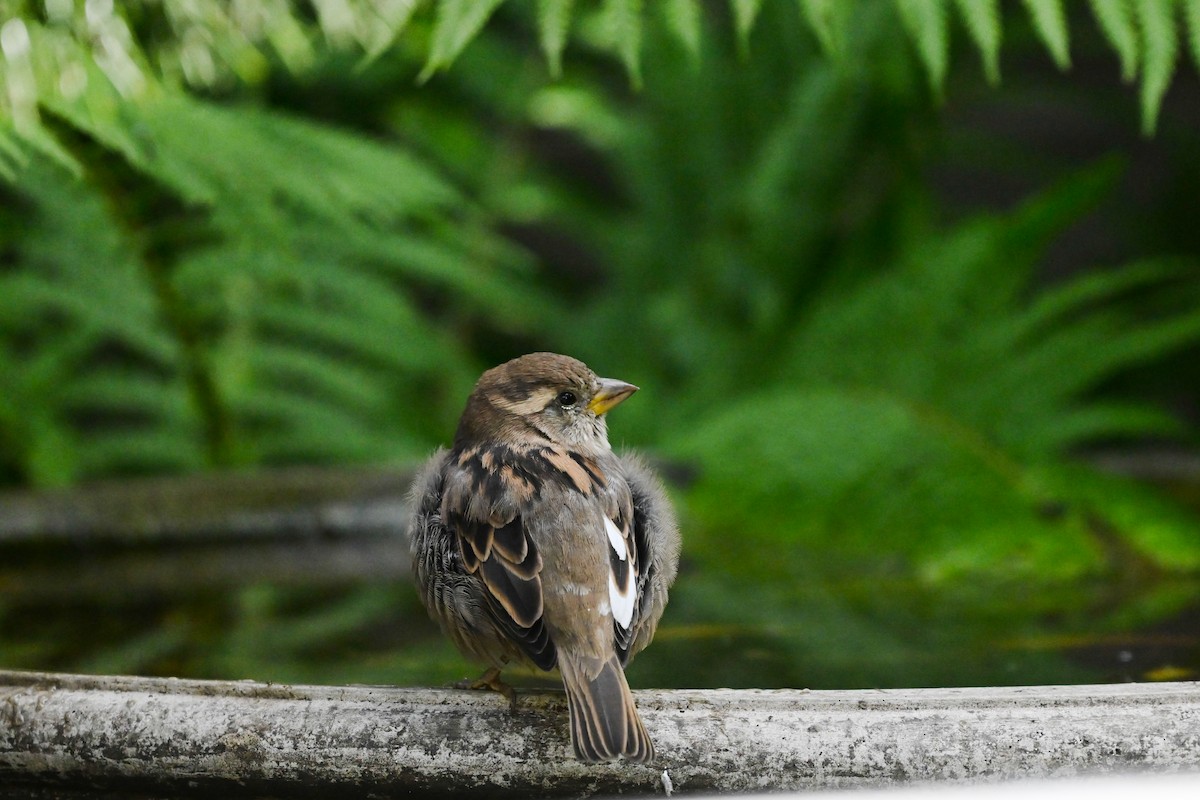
column 11, row 156
column 458, row 22
column 982, row 18
column 745, row 13
column 128, row 393
column 336, row 20
column 1154, row 526
column 286, row 426
column 1060, row 302
column 1191, row 11
column 1116, row 22
column 391, row 20
column 1066, row 362
column 1108, row 421
column 827, row 18
column 873, row 462
column 554, row 21
column 623, row 20
column 301, row 369
column 682, row 18
column 1160, row 46
column 360, row 318
column 144, row 451
column 1050, row 22
column 99, row 307
column 925, row 21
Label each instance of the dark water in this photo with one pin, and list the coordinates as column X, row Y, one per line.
column 333, row 615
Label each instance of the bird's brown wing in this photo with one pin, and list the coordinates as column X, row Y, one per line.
column 500, row 553
column 625, row 562
column 650, row 517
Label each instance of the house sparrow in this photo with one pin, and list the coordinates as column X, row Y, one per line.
column 531, row 540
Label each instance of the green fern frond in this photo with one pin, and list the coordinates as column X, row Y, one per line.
column 126, row 392
column 554, row 22
column 383, row 28
column 1058, row 303
column 11, row 155
column 926, row 23
column 141, row 451
column 682, row 21
column 204, row 152
column 745, row 14
column 104, row 307
column 279, row 427
column 1050, row 21
column 1142, row 32
column 348, row 336
column 1100, row 421
column 945, row 359
column 1043, row 378
column 351, row 386
column 1117, row 23
column 982, row 18
column 622, row 23
column 300, row 290
column 1191, row 12
column 848, row 467
column 829, row 20
column 458, row 22
column 1155, row 528
column 1160, row 46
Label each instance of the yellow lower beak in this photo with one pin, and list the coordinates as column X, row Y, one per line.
column 611, row 393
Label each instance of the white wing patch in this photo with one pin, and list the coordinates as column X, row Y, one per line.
column 620, row 597
column 616, row 539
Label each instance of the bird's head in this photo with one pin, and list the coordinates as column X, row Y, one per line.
column 542, row 396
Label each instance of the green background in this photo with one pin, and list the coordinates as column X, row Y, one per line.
column 912, row 293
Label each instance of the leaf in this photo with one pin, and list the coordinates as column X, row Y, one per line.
column 291, row 427
column 623, row 24
column 1059, row 302
column 336, row 21
column 1150, row 524
column 1117, row 23
column 1050, row 22
column 1111, row 421
column 982, row 18
column 1191, row 12
column 745, row 12
column 828, row 20
column 682, row 18
column 126, row 392
column 458, row 22
column 925, row 21
column 11, row 156
column 351, row 386
column 392, row 18
column 554, row 21
column 878, row 475
column 1160, row 46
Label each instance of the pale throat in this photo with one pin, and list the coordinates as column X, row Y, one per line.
column 587, row 435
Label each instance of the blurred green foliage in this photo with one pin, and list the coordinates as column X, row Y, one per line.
column 308, row 257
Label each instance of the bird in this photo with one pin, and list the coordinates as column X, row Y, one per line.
column 534, row 542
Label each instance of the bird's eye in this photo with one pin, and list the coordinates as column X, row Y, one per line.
column 567, row 399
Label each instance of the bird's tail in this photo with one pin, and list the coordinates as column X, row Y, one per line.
column 604, row 722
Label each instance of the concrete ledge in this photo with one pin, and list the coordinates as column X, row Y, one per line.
column 107, row 736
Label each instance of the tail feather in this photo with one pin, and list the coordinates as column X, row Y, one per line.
column 604, row 722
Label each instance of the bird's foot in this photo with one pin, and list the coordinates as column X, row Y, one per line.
column 491, row 680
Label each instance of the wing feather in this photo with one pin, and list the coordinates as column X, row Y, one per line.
column 499, row 551
column 655, row 544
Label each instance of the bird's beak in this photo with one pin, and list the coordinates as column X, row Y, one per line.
column 611, row 393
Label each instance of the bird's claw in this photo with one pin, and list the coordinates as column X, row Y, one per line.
column 491, row 680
